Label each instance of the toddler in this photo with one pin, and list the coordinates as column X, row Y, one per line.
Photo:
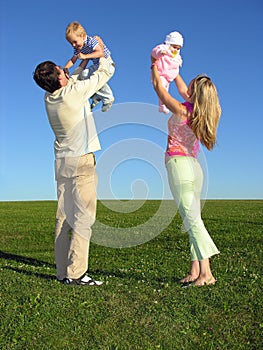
column 90, row 48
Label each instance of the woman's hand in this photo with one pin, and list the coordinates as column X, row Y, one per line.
column 153, row 60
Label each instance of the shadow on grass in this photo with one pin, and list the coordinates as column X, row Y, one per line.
column 135, row 276
column 27, row 261
column 38, row 263
column 30, row 273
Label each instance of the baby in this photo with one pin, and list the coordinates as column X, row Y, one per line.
column 168, row 63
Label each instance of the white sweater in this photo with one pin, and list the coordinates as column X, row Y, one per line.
column 70, row 116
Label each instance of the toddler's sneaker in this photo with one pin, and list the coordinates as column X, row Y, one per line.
column 106, row 106
column 94, row 104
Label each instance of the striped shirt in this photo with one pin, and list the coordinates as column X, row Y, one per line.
column 89, row 47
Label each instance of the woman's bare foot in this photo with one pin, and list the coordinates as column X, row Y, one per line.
column 203, row 281
column 189, row 279
column 193, row 273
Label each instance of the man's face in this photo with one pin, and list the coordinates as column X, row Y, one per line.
column 62, row 77
column 76, row 41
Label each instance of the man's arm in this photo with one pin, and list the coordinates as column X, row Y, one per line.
column 84, row 63
column 99, row 78
column 71, row 62
column 79, row 69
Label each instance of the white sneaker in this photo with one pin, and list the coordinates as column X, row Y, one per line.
column 106, row 106
column 84, row 280
column 90, row 281
column 94, row 104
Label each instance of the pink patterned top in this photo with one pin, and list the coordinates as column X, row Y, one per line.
column 181, row 139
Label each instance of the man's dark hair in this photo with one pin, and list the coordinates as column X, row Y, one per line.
column 46, row 76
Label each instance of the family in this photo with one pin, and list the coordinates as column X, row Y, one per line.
column 70, row 116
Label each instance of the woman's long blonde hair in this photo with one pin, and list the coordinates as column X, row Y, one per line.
column 206, row 111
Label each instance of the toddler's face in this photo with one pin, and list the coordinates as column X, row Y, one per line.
column 76, row 41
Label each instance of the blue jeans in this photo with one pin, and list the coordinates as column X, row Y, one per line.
column 105, row 94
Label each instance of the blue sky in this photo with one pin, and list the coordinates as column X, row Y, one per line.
column 221, row 38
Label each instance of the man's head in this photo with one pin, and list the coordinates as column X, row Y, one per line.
column 49, row 76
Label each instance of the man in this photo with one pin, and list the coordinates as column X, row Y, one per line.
column 71, row 120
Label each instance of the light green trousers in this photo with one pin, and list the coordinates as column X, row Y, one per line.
column 185, row 178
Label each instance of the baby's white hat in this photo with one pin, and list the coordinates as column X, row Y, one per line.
column 174, row 38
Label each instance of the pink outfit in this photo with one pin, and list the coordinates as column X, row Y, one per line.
column 181, row 139
column 168, row 67
column 167, row 64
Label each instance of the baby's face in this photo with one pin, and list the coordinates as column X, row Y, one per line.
column 175, row 48
column 76, row 41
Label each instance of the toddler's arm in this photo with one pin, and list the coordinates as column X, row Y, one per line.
column 159, row 50
column 101, row 43
column 98, row 51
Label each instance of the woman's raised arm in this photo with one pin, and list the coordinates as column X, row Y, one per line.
column 171, row 103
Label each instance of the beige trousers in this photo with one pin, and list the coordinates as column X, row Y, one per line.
column 76, row 213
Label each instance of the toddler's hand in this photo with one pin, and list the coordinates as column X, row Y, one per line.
column 81, row 56
column 187, row 97
column 163, row 52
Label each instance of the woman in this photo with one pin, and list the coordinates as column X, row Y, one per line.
column 191, row 122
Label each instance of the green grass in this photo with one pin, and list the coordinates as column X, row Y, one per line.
column 140, row 305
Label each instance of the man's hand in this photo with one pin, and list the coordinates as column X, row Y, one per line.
column 66, row 71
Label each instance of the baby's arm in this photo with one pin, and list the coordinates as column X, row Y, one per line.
column 181, row 87
column 71, row 62
column 159, row 50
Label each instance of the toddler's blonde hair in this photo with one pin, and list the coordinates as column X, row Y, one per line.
column 76, row 28
column 206, row 111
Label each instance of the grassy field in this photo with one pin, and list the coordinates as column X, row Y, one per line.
column 140, row 305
